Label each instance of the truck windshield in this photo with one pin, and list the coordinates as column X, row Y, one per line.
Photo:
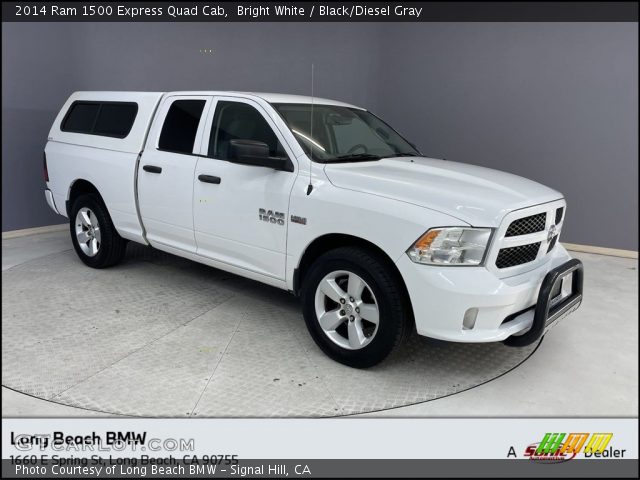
column 342, row 134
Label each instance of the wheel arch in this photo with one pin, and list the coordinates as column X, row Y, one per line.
column 331, row 241
column 78, row 187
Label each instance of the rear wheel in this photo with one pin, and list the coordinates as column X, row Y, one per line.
column 353, row 307
column 94, row 237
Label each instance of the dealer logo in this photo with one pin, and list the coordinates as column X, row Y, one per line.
column 560, row 447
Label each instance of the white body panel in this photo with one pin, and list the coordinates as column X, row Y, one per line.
column 391, row 225
column 111, row 171
column 388, row 203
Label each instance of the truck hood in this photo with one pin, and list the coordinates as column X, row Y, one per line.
column 476, row 195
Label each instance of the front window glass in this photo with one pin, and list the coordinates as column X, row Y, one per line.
column 240, row 121
column 337, row 134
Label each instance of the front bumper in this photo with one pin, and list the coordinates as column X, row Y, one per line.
column 500, row 307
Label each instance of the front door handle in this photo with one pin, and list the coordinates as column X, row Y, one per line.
column 209, row 179
column 152, row 169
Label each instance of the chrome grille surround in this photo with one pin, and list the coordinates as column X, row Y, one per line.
column 506, row 263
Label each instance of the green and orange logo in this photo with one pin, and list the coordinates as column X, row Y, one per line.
column 560, row 447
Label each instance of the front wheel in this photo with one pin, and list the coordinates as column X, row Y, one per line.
column 94, row 237
column 353, row 307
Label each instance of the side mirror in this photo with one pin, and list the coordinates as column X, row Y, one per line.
column 253, row 152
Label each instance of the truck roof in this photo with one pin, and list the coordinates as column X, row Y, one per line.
column 270, row 97
column 286, row 98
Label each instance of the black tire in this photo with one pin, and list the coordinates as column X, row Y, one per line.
column 394, row 324
column 111, row 246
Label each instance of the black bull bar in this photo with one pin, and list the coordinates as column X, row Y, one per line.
column 545, row 312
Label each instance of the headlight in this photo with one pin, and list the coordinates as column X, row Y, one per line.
column 451, row 246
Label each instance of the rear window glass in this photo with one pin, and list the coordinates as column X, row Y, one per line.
column 81, row 117
column 181, row 125
column 115, row 119
column 108, row 119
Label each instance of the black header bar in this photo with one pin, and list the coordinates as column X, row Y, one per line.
column 320, row 11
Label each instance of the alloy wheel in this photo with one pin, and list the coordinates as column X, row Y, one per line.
column 347, row 310
column 88, row 232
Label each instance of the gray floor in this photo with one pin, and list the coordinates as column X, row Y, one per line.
column 586, row 366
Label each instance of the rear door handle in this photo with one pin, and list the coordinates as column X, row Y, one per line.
column 209, row 179
column 152, row 169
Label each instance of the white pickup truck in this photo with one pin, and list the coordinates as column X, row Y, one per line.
column 320, row 198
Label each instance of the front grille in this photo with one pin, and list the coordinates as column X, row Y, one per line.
column 512, row 256
column 526, row 238
column 526, row 225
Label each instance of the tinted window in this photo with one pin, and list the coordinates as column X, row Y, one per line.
column 81, row 117
column 115, row 120
column 180, row 126
column 233, row 121
column 109, row 119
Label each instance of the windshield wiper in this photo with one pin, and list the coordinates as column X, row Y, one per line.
column 355, row 157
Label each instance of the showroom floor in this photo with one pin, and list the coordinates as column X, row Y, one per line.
column 162, row 336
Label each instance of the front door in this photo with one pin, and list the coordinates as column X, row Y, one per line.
column 240, row 211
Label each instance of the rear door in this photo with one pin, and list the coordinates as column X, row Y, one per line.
column 166, row 172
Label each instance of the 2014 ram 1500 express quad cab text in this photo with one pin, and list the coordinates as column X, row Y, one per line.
column 320, row 198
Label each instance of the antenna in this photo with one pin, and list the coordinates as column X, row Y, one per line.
column 310, row 186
